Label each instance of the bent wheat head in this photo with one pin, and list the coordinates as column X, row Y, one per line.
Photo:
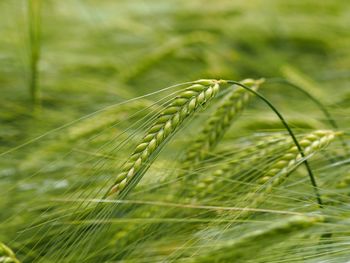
column 166, row 124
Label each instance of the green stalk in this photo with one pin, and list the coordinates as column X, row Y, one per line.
column 332, row 122
column 291, row 133
column 34, row 20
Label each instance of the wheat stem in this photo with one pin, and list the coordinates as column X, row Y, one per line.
column 317, row 102
column 34, row 7
column 291, row 133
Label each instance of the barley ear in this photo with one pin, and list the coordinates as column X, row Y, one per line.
column 218, row 123
column 279, row 172
column 291, row 133
column 179, row 109
column 212, row 183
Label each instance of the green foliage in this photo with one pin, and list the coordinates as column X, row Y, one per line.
column 202, row 171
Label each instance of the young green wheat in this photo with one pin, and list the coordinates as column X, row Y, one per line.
column 166, row 124
column 219, row 122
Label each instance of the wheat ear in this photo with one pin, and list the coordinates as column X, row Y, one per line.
column 263, row 148
column 279, row 172
column 165, row 125
column 219, row 122
column 291, row 133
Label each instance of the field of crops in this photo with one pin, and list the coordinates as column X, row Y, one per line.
column 174, row 131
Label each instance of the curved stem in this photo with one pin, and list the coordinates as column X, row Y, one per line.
column 285, row 124
column 319, row 104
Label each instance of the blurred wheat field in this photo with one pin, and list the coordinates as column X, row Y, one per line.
column 174, row 131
